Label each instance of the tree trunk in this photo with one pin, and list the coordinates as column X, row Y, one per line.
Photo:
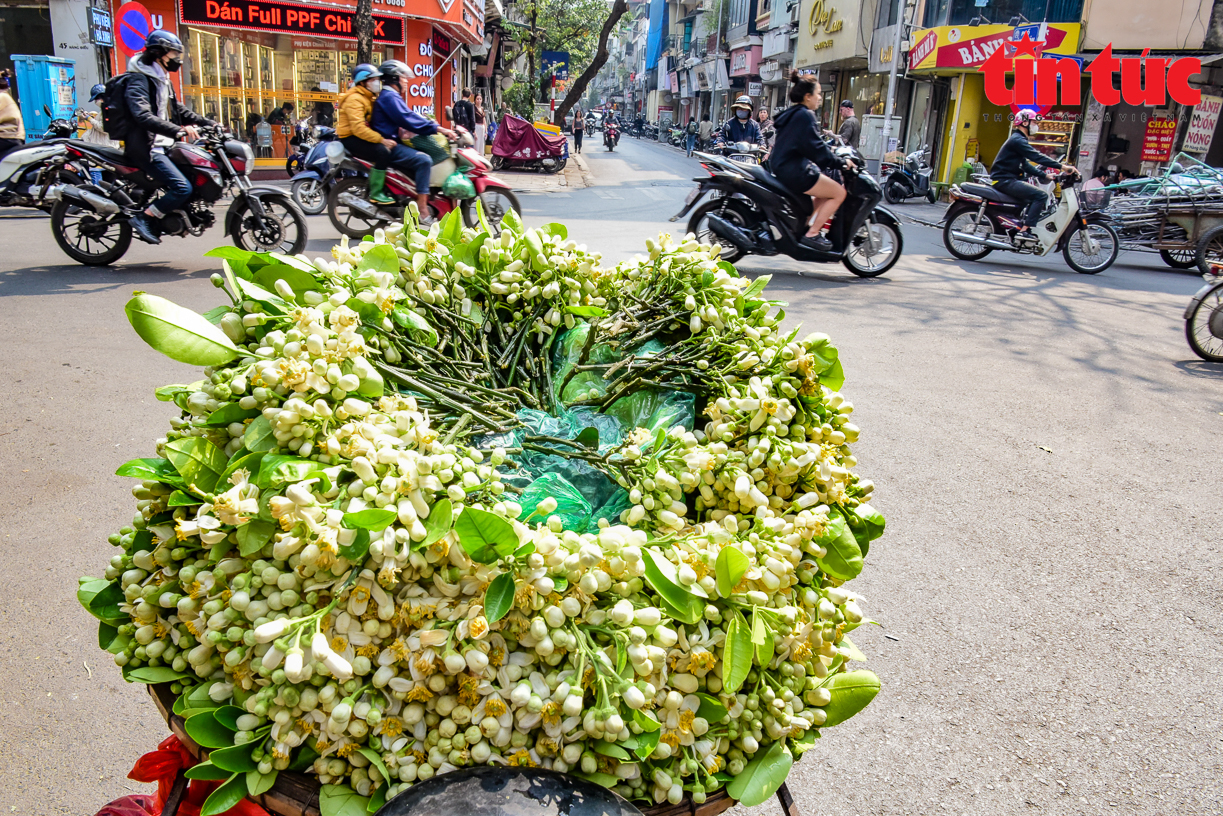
column 534, row 79
column 363, row 26
column 579, row 85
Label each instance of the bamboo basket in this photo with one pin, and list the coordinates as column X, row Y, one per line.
column 296, row 794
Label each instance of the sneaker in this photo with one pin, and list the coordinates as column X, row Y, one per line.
column 816, row 242
column 145, row 229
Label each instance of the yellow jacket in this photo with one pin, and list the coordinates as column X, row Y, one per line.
column 356, row 107
column 10, row 118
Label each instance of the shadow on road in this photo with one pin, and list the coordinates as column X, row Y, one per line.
column 1201, row 369
column 70, row 278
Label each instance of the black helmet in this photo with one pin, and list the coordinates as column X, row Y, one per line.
column 394, row 69
column 159, row 42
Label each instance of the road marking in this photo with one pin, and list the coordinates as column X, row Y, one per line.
column 655, row 194
column 609, row 195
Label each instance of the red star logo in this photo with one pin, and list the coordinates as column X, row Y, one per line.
column 1026, row 46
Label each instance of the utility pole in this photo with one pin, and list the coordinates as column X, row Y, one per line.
column 887, row 108
column 717, row 52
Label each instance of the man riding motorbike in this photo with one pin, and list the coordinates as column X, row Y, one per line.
column 1013, row 161
column 390, row 114
column 740, row 127
column 358, row 138
column 800, row 153
column 156, row 120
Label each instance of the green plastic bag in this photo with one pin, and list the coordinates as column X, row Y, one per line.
column 571, row 505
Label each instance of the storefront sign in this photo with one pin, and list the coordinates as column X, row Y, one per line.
column 755, row 89
column 101, row 30
column 770, row 71
column 1157, row 141
column 883, row 43
column 830, row 31
column 924, row 48
column 289, row 18
column 956, row 48
column 745, row 61
column 442, row 45
column 1202, row 126
column 823, row 19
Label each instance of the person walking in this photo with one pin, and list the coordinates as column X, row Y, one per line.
column 705, row 131
column 579, row 127
column 851, row 129
column 690, row 134
column 768, row 132
column 12, row 128
column 157, row 121
column 481, row 122
column 361, row 140
column 464, row 114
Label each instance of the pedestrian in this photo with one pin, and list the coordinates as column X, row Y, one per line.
column 464, row 114
column 705, row 131
column 851, row 129
column 740, row 127
column 352, row 126
column 768, row 132
column 579, row 127
column 690, row 135
column 157, row 120
column 12, row 129
column 481, row 122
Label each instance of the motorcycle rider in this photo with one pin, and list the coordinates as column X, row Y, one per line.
column 740, row 127
column 358, row 138
column 157, row 119
column 390, row 114
column 1014, row 160
column 800, row 153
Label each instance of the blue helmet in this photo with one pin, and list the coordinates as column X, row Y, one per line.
column 364, row 71
column 97, row 92
column 159, row 42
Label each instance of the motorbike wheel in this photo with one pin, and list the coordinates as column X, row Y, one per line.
column 893, row 193
column 889, row 245
column 1204, row 326
column 1179, row 258
column 310, row 195
column 496, row 202
column 350, row 222
column 963, row 221
column 496, row 162
column 88, row 237
column 932, row 196
column 1075, row 251
column 282, row 228
column 733, row 211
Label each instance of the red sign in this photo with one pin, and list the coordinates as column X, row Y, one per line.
column 1157, row 141
column 970, row 53
column 922, row 49
column 290, row 18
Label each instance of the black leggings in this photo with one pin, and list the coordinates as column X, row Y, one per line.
column 368, row 151
column 577, row 140
column 1035, row 198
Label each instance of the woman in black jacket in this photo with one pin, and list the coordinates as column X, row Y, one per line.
column 799, row 153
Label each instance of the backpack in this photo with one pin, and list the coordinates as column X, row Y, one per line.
column 116, row 120
column 693, row 127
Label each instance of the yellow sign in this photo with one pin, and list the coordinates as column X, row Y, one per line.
column 822, row 17
column 885, row 54
column 960, row 49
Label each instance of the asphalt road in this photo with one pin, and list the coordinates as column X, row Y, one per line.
column 1044, row 444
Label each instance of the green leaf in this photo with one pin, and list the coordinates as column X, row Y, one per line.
column 225, row 797
column 762, row 639
column 305, row 757
column 843, row 559
column 378, row 799
column 646, row 743
column 375, row 759
column 375, row 519
column 438, row 523
column 737, row 653
column 586, row 311
column 206, row 731
column 176, row 394
column 451, row 231
column 270, row 300
column 231, row 413
column 556, row 229
column 730, row 568
column 356, row 551
column 661, row 575
column 259, row 436
column 369, row 312
column 198, row 697
column 612, row 750
column 646, row 720
column 756, row 287
column 237, row 758
column 198, row 461
column 215, row 314
column 299, row 280
column 180, row 499
column 853, row 652
column 101, row 598
column 762, row 776
column 157, row 470
column 207, row 771
column 606, row 780
column 851, row 692
column 589, row 438
column 227, row 715
column 155, row 674
column 711, row 709
column 485, row 536
column 511, row 221
column 499, row 597
column 254, row 535
column 417, row 327
column 258, row 783
column 107, row 632
column 277, row 470
column 179, row 333
column 869, row 525
column 341, row 800
column 379, row 258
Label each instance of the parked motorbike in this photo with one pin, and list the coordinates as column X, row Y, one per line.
column 749, row 212
column 90, row 221
column 312, row 185
column 911, row 179
column 982, row 218
column 354, row 215
column 611, row 136
column 519, row 146
column 1204, row 315
column 32, row 175
column 675, row 137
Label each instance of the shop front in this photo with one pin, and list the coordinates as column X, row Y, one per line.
column 829, row 44
column 776, row 57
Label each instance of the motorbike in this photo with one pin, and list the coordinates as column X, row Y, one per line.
column 982, row 219
column 312, row 185
column 675, row 137
column 911, row 179
column 1204, row 315
column 749, row 212
column 611, row 136
column 90, row 221
column 743, row 152
column 33, row 174
column 519, row 146
column 354, row 215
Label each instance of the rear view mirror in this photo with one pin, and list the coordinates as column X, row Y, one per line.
column 47, row 110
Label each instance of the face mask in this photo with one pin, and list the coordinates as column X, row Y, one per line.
column 374, row 86
column 742, row 114
column 173, row 64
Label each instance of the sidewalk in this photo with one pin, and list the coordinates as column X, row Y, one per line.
column 575, row 176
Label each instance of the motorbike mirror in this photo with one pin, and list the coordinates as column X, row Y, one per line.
column 335, row 152
column 47, row 110
column 502, row 791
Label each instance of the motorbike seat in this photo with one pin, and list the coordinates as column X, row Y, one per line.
column 988, row 192
column 769, row 180
column 108, row 154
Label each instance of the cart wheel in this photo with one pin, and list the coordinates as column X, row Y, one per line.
column 1180, row 258
column 1210, row 248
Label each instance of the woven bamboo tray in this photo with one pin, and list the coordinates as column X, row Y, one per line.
column 296, row 794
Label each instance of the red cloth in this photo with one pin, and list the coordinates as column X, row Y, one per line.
column 518, row 139
column 162, row 766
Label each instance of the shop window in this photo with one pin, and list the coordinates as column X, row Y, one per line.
column 1001, row 12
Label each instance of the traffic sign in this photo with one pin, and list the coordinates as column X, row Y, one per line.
column 134, row 24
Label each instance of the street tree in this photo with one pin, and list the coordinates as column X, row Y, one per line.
column 363, row 26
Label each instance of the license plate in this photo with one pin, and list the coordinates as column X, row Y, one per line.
column 692, row 194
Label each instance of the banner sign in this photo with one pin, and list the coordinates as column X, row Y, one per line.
column 1157, row 141
column 289, row 18
column 1202, row 126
